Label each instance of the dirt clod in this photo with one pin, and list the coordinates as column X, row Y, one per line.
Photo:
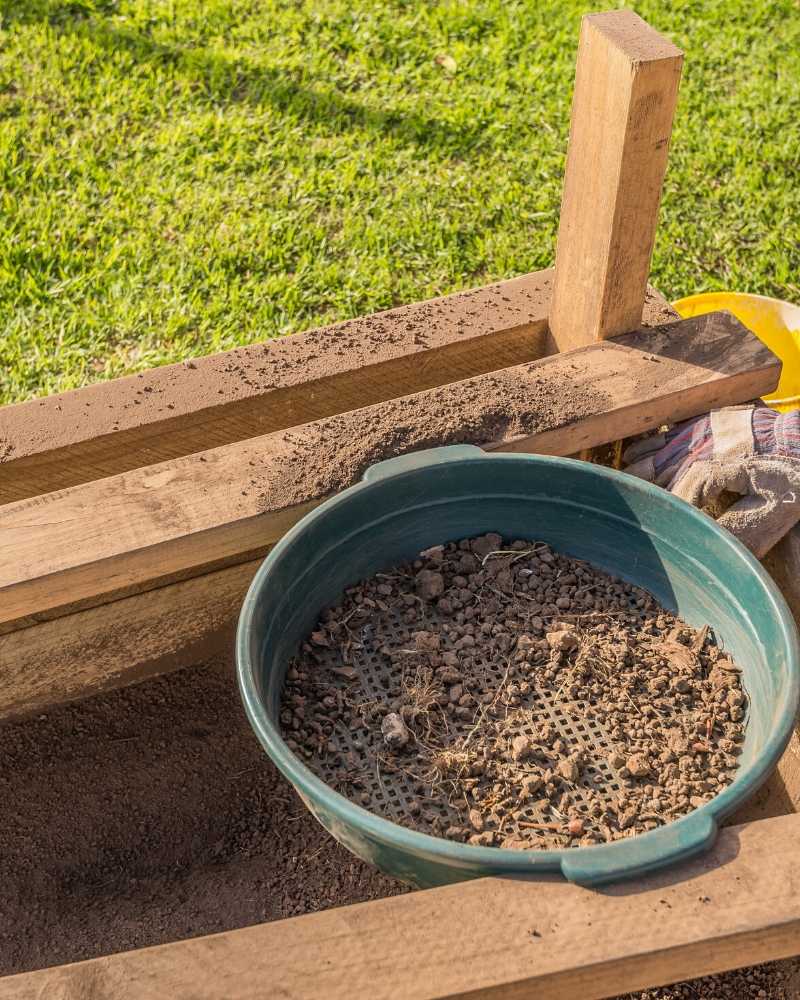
column 430, row 585
column 396, row 733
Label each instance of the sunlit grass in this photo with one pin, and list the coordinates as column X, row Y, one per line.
column 181, row 176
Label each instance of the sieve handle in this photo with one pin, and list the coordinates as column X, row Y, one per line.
column 679, row 841
column 421, row 460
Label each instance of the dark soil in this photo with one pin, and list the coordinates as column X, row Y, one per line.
column 151, row 814
column 505, row 695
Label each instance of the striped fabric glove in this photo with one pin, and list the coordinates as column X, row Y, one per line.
column 749, row 455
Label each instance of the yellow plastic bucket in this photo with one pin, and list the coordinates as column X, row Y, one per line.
column 775, row 323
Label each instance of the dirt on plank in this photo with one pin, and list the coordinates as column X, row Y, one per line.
column 324, row 457
column 231, row 378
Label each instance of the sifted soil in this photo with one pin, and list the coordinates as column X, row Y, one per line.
column 150, row 814
column 505, row 695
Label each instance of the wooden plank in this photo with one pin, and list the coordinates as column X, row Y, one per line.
column 626, row 87
column 90, row 544
column 108, row 428
column 121, row 643
column 512, row 940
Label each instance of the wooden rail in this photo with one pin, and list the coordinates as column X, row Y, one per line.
column 88, row 544
column 111, row 427
column 504, row 939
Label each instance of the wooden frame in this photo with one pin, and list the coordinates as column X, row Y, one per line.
column 129, row 538
column 80, row 563
column 513, row 939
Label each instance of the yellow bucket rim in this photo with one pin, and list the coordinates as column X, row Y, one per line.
column 777, row 318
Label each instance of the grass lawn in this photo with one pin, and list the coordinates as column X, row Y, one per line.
column 181, row 176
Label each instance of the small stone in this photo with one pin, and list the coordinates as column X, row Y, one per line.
column 638, row 765
column 476, row 820
column 530, row 785
column 468, row 563
column 563, row 641
column 434, row 554
column 485, row 839
column 396, row 733
column 735, row 699
column 575, row 827
column 427, row 642
column 723, row 675
column 515, row 843
column 568, row 769
column 486, row 543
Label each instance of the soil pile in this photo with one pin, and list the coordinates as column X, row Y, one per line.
column 501, row 694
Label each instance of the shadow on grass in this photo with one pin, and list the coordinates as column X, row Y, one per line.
column 224, row 80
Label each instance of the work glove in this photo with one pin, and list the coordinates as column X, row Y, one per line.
column 749, row 455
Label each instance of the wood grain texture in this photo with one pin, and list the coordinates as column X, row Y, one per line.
column 111, row 427
column 123, row 642
column 93, row 543
column 626, row 87
column 512, row 939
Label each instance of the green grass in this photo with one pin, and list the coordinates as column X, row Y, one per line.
column 182, row 176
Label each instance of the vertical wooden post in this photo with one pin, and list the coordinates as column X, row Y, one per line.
column 626, row 86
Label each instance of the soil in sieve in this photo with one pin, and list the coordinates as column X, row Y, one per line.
column 499, row 693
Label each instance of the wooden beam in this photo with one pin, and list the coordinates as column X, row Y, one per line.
column 121, row 643
column 90, row 544
column 107, row 428
column 513, row 940
column 626, row 87
column 111, row 427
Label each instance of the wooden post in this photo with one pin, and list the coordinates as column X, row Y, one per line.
column 626, row 86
